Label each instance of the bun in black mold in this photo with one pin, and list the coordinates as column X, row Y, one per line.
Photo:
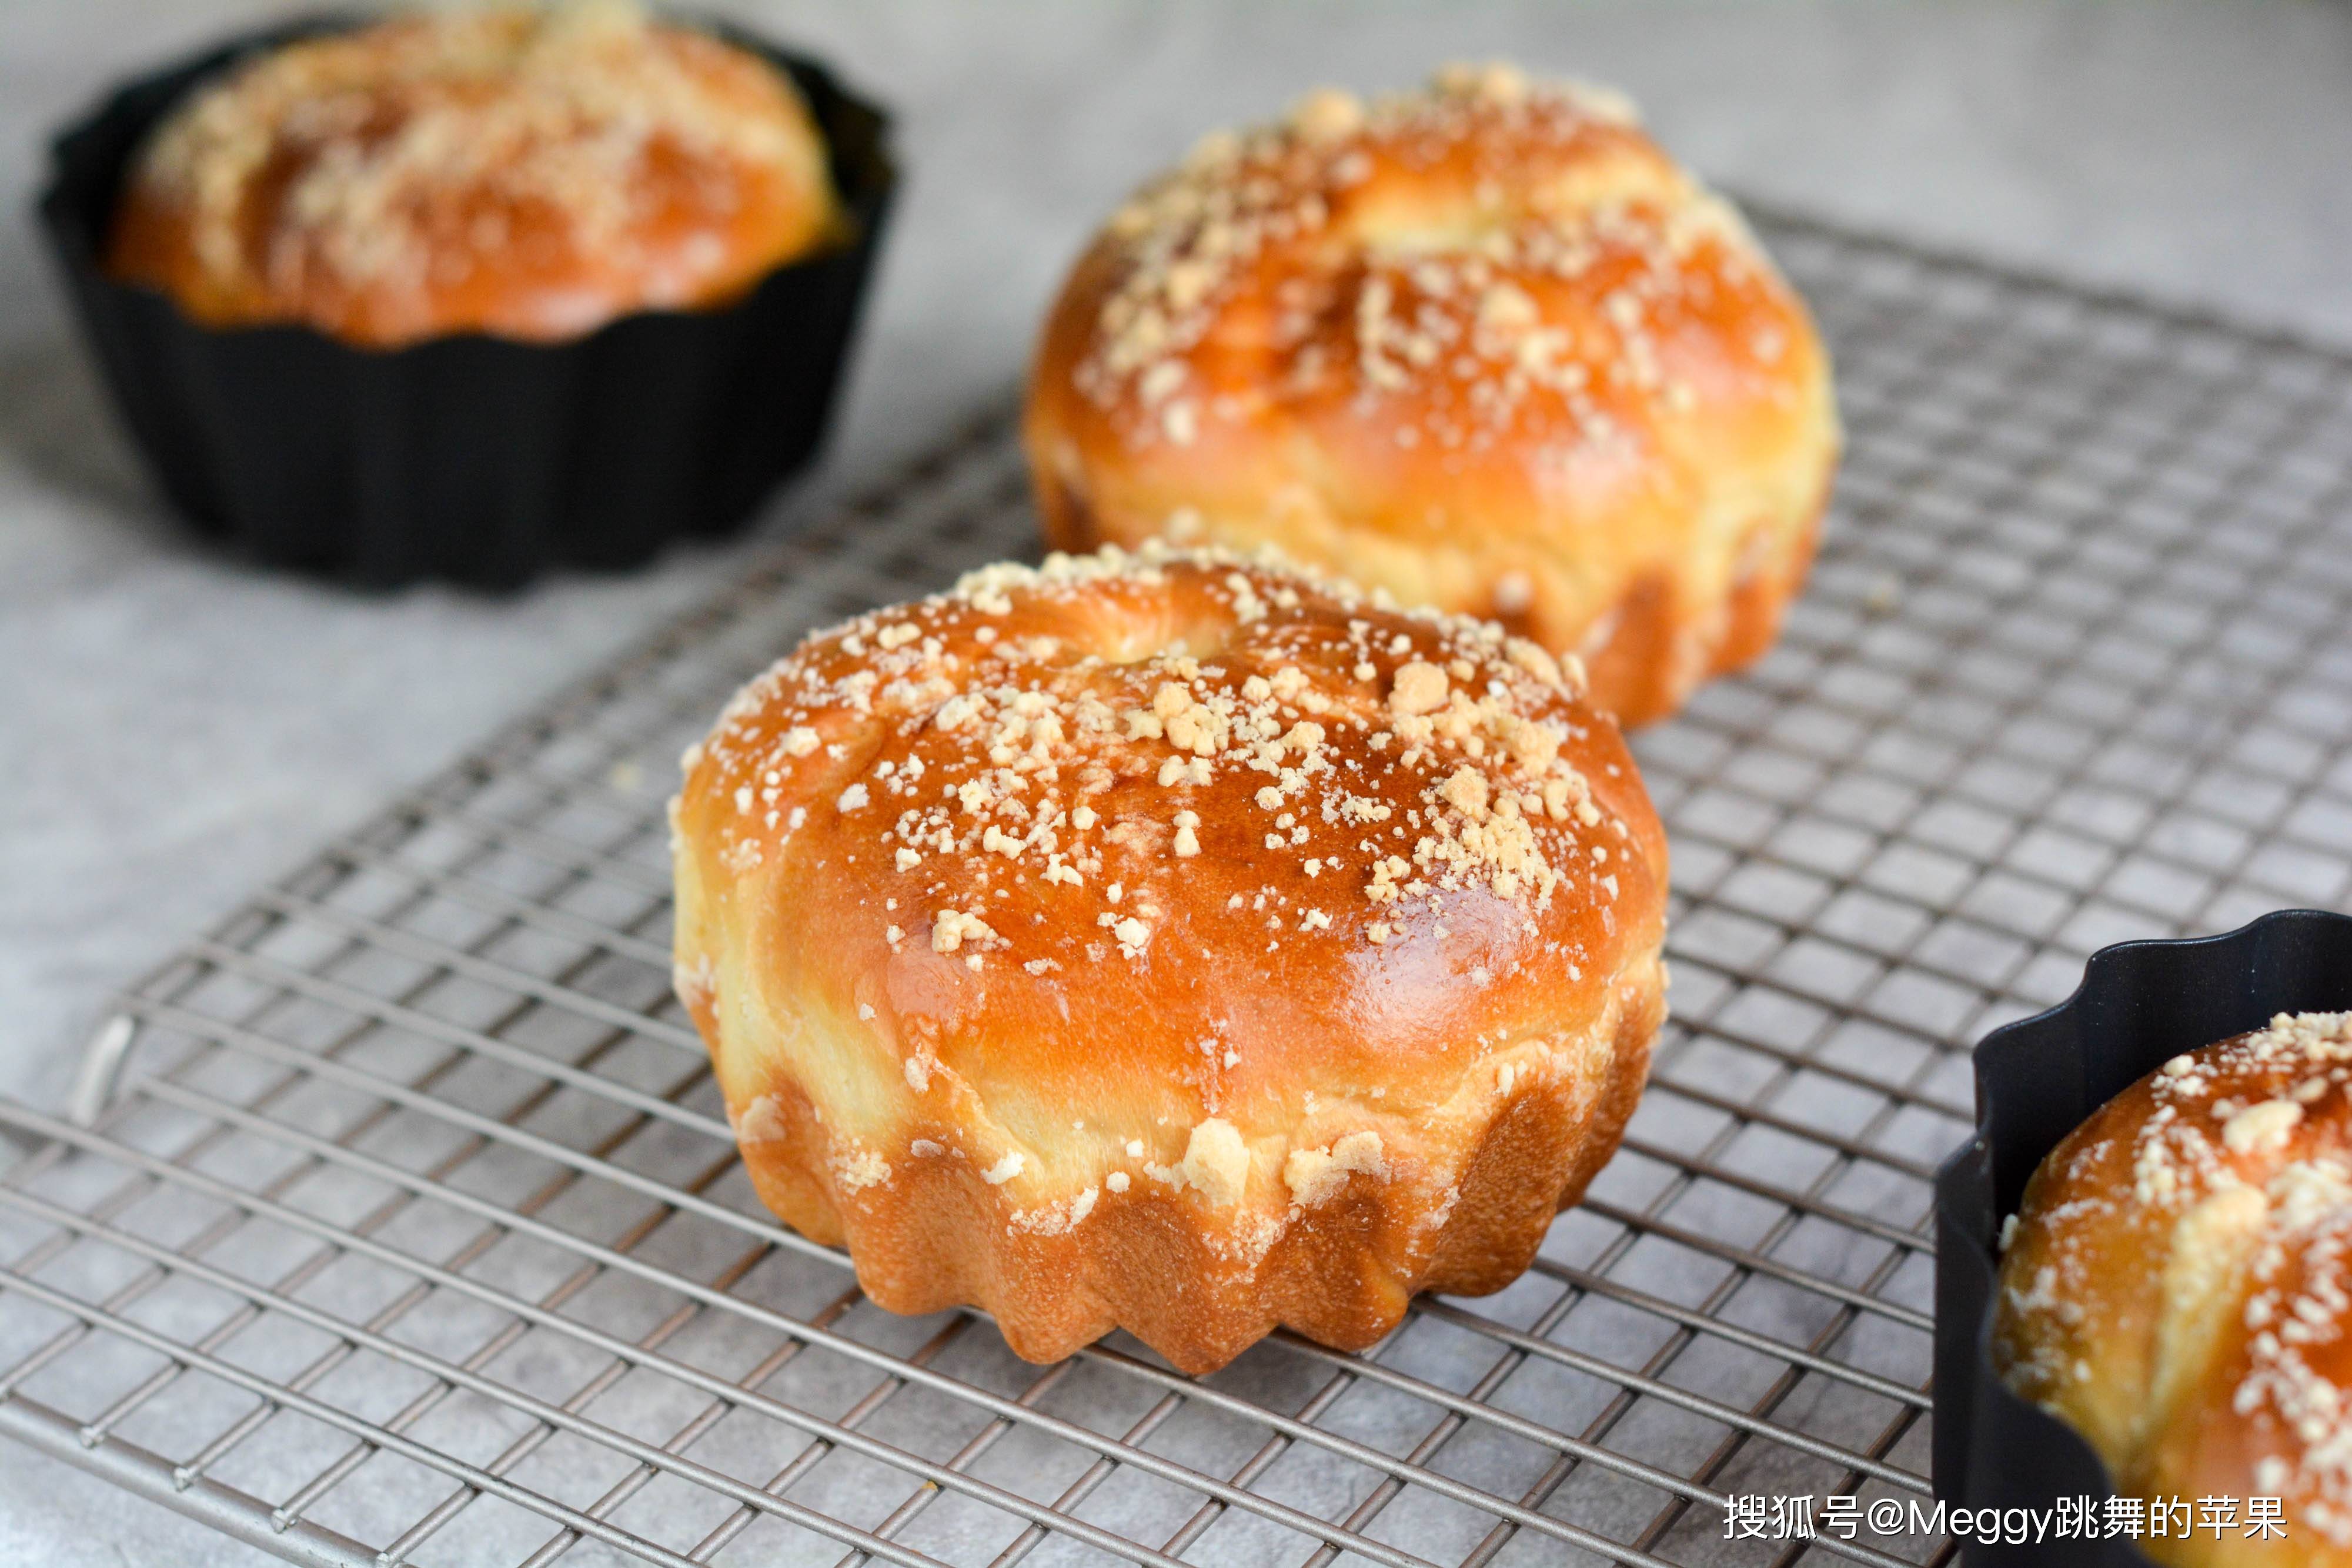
column 469, row 458
column 2140, row 1003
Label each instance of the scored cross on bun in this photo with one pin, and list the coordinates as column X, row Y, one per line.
column 1485, row 346
column 2177, row 1285
column 1170, row 941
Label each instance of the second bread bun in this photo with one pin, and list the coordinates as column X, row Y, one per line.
column 1483, row 346
column 2177, row 1287
column 526, row 175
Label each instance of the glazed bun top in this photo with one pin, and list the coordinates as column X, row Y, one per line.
column 1489, row 308
column 1175, row 823
column 2178, row 1282
column 526, row 175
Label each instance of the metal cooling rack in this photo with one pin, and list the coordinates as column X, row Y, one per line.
column 415, row 1234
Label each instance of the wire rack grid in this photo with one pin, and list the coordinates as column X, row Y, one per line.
column 415, row 1232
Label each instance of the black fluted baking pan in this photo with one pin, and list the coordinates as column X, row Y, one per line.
column 2140, row 1003
column 471, row 458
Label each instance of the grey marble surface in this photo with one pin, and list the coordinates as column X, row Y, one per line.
column 174, row 729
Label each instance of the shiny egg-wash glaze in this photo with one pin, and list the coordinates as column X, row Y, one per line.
column 1483, row 346
column 1173, row 943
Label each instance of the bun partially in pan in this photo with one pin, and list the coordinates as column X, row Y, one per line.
column 2177, row 1287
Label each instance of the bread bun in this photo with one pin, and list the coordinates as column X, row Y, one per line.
column 1483, row 346
column 525, row 175
column 1171, row 942
column 2177, row 1286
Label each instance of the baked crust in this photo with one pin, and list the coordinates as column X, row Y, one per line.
column 1171, row 943
column 1483, row 346
column 2177, row 1286
column 527, row 174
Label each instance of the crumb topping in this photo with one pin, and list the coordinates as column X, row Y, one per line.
column 1039, row 779
column 2243, row 1156
column 418, row 151
column 1543, row 287
column 1215, row 1164
column 1317, row 1176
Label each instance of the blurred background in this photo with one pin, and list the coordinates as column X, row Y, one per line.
column 175, row 727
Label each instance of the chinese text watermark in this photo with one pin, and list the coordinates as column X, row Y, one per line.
column 1761, row 1517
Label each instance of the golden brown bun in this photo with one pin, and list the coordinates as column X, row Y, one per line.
column 529, row 175
column 1483, row 346
column 2179, row 1288
column 1171, row 942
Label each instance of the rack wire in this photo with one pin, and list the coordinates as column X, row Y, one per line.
column 414, row 1232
